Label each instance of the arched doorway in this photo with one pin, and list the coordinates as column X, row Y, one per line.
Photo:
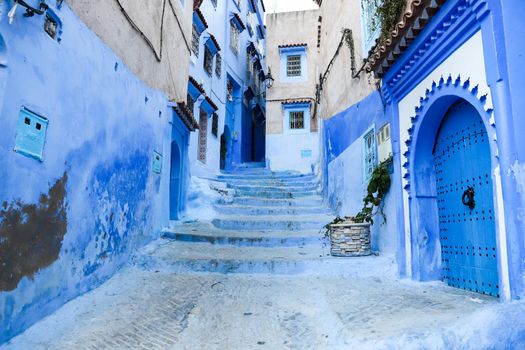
column 464, row 188
column 175, row 181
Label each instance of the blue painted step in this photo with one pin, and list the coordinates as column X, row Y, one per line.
column 273, row 194
column 272, row 223
column 274, row 187
column 271, row 210
column 312, row 201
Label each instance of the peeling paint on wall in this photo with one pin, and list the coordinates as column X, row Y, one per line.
column 31, row 235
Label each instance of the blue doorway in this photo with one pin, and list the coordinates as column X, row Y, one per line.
column 467, row 228
column 175, row 181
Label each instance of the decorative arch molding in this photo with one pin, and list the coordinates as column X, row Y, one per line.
column 419, row 178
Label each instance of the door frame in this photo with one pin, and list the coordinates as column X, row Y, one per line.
column 420, row 188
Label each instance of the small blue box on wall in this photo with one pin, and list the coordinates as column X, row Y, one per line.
column 157, row 162
column 31, row 134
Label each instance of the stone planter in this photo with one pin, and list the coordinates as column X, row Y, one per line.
column 350, row 239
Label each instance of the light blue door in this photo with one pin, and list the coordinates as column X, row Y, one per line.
column 175, row 181
column 465, row 201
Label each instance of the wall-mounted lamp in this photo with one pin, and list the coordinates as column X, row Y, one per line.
column 268, row 80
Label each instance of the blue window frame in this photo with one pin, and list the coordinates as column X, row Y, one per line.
column 370, row 25
column 294, row 68
column 296, row 118
column 369, row 154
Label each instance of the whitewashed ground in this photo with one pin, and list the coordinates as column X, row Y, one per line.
column 363, row 307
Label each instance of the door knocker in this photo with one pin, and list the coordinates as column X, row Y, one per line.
column 468, row 198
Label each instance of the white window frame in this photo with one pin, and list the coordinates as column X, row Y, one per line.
column 235, row 35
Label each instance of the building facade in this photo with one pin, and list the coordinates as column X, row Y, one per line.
column 449, row 73
column 226, row 90
column 446, row 112
column 92, row 99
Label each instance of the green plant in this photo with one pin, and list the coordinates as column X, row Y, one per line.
column 388, row 14
column 377, row 188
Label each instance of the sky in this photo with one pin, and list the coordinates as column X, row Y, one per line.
column 288, row 5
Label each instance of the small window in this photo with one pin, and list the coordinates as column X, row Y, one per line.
column 293, row 65
column 203, row 135
column 214, row 3
column 215, row 124
column 370, row 155
column 195, row 38
column 218, row 65
column 51, row 27
column 234, row 37
column 297, row 120
column 230, row 91
column 384, row 134
column 208, row 60
column 190, row 103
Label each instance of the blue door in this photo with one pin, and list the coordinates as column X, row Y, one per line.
column 175, row 181
column 465, row 202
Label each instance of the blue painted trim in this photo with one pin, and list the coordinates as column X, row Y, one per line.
column 295, row 49
column 201, row 26
column 296, row 105
column 450, row 28
column 193, row 90
column 237, row 23
column 420, row 176
column 211, row 45
column 205, row 105
column 299, row 107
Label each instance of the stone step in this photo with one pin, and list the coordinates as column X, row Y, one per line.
column 274, row 187
column 210, row 234
column 272, row 223
column 311, row 201
column 183, row 257
column 271, row 210
column 268, row 176
column 275, row 194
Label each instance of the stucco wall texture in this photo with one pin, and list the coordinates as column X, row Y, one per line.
column 285, row 29
column 94, row 199
column 340, row 90
column 165, row 23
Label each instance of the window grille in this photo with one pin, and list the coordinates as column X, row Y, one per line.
column 195, row 38
column 293, row 65
column 218, row 64
column 208, row 60
column 297, row 120
column 370, row 156
column 203, row 135
column 215, row 124
column 230, row 91
column 190, row 103
column 234, row 38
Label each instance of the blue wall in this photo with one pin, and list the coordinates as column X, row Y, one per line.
column 94, row 199
column 234, row 68
column 344, row 185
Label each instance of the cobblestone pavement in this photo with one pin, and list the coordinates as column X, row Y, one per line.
column 364, row 307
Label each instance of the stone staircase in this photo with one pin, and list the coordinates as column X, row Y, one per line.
column 273, row 223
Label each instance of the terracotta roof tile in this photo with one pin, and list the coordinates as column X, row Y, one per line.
column 201, row 16
column 212, row 104
column 186, row 116
column 383, row 55
column 196, row 84
column 292, row 45
column 239, row 20
column 215, row 42
column 295, row 101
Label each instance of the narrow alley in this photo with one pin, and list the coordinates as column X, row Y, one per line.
column 268, row 283
column 262, row 174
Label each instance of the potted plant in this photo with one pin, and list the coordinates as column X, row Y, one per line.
column 350, row 236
